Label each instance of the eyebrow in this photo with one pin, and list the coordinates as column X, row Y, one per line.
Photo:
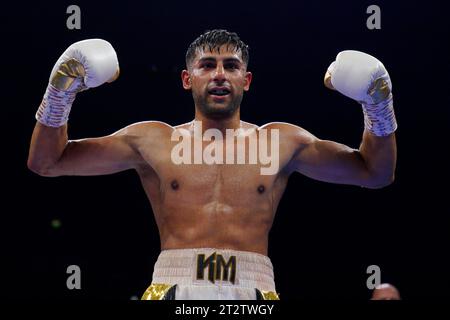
column 226, row 60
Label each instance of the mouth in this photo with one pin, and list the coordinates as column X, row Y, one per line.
column 219, row 93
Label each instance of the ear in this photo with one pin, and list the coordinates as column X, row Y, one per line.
column 248, row 80
column 186, row 80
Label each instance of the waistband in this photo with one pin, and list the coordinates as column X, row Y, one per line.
column 214, row 267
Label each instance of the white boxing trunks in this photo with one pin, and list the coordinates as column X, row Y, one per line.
column 211, row 274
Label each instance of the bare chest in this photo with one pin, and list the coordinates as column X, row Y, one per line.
column 237, row 184
column 210, row 174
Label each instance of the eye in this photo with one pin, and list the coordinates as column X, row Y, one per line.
column 207, row 65
column 231, row 66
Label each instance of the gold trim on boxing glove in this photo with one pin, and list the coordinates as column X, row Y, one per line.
column 67, row 74
column 327, row 81
column 379, row 90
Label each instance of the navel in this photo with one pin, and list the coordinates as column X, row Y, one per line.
column 261, row 189
column 174, row 184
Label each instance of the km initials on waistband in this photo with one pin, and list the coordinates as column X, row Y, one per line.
column 218, row 268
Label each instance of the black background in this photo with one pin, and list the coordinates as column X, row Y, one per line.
column 324, row 236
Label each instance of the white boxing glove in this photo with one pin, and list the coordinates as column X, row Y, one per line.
column 85, row 64
column 364, row 78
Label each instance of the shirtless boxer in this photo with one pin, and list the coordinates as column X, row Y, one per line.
column 213, row 219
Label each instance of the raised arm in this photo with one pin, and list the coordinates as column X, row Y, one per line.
column 364, row 79
column 52, row 155
column 85, row 64
column 370, row 166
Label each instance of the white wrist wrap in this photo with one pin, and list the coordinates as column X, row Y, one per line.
column 55, row 107
column 379, row 119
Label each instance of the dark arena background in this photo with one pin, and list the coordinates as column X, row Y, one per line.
column 324, row 237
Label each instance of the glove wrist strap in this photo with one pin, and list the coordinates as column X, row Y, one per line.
column 55, row 107
column 379, row 119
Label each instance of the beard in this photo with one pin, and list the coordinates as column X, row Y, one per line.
column 217, row 110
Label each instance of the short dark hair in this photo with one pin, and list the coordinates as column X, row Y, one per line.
column 214, row 39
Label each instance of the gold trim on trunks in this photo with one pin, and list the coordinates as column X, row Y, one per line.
column 269, row 295
column 156, row 291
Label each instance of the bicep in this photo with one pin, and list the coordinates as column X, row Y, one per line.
column 97, row 156
column 330, row 161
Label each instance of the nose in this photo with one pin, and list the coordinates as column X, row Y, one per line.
column 219, row 74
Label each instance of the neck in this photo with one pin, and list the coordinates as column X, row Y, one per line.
column 233, row 122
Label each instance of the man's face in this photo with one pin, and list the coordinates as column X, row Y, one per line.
column 218, row 80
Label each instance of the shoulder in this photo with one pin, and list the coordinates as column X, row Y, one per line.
column 289, row 132
column 144, row 133
column 283, row 127
column 146, row 129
